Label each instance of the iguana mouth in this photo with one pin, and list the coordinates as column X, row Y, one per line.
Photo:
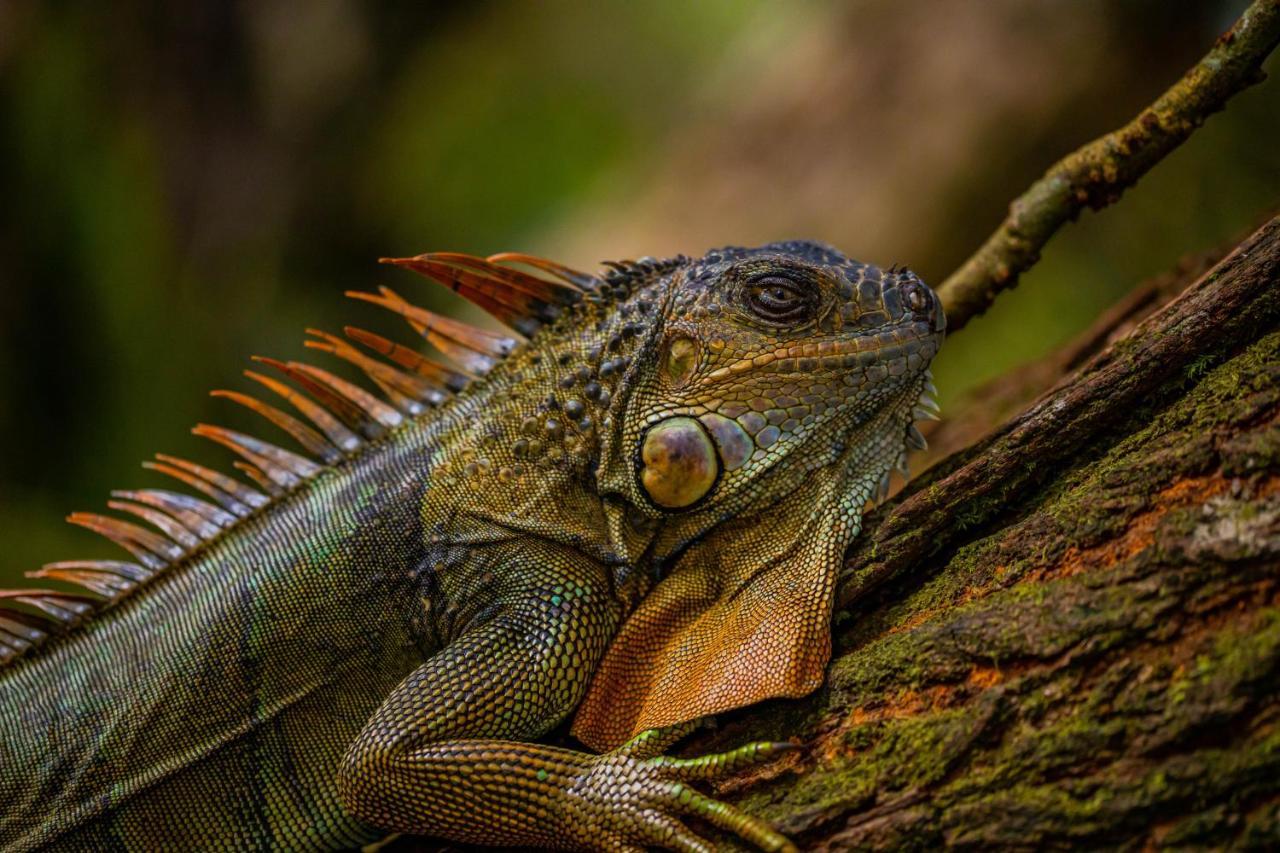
column 915, row 339
column 682, row 458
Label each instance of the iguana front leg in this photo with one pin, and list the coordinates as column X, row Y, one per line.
column 446, row 753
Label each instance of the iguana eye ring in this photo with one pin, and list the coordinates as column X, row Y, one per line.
column 777, row 299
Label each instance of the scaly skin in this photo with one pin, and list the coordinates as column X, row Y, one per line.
column 638, row 516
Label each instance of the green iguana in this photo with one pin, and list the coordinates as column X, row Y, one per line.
column 631, row 510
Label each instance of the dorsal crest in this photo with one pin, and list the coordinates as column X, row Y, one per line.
column 330, row 419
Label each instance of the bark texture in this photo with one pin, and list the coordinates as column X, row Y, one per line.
column 1067, row 634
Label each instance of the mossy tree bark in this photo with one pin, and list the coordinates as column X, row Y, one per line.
column 1069, row 633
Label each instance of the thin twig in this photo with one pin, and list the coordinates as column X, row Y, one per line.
column 1096, row 174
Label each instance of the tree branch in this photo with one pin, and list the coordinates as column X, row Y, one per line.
column 1096, row 174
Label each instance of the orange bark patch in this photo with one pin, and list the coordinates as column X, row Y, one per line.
column 832, row 745
column 983, row 677
column 1137, row 537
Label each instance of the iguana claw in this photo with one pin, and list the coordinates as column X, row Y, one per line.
column 633, row 798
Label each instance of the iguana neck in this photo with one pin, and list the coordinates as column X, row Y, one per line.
column 520, row 450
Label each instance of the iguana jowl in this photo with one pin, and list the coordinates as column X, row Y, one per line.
column 632, row 511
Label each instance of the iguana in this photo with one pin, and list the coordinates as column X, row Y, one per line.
column 630, row 509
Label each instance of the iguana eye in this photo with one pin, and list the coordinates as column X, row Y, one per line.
column 779, row 300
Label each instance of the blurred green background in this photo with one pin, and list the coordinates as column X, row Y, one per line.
column 185, row 184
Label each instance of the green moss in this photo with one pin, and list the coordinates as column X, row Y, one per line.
column 1198, row 367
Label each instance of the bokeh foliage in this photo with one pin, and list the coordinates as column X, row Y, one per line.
column 187, row 184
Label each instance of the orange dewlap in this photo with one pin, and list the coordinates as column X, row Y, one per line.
column 744, row 616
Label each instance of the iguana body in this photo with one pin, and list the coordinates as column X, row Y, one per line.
column 636, row 515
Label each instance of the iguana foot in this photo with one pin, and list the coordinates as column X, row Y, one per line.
column 633, row 797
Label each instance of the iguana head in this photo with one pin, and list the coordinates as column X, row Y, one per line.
column 762, row 353
column 773, row 392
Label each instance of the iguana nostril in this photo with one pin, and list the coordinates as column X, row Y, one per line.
column 924, row 303
column 917, row 298
column 680, row 463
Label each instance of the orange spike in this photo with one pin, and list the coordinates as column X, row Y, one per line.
column 409, row 391
column 433, row 371
column 474, row 350
column 224, row 500
column 166, row 525
column 510, row 316
column 262, row 451
column 230, row 485
column 107, row 584
column 150, row 549
column 12, row 647
column 62, row 607
column 473, row 337
column 36, row 622
column 558, row 292
column 285, row 469
column 337, row 432
column 258, row 477
column 19, row 636
column 404, row 402
column 511, row 306
column 190, row 520
column 200, row 517
column 348, row 412
column 371, row 405
column 303, row 434
column 581, row 280
column 132, row 571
